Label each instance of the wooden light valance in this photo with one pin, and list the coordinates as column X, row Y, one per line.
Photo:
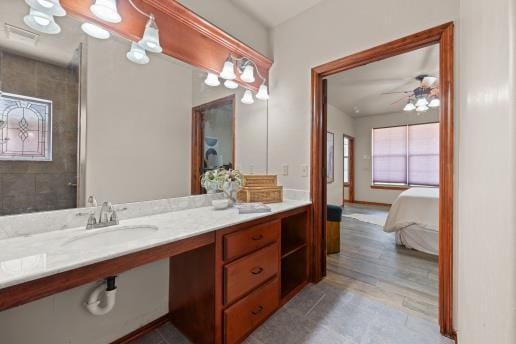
column 183, row 34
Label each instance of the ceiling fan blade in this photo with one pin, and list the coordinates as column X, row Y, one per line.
column 405, row 92
column 399, row 100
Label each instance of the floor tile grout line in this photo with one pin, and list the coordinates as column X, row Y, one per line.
column 315, row 305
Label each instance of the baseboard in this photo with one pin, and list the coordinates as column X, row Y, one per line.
column 129, row 338
column 371, row 203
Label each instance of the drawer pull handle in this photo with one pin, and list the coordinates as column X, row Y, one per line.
column 258, row 310
column 257, row 270
column 257, row 237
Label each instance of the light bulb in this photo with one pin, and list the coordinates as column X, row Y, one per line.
column 230, row 84
column 248, row 98
column 42, row 22
column 421, row 102
column 150, row 39
column 228, row 71
column 409, row 107
column 137, row 54
column 50, row 7
column 435, row 103
column 95, row 31
column 212, row 80
column 422, row 108
column 248, row 74
column 106, row 10
column 263, row 92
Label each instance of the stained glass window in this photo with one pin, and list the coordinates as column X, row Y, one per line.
column 25, row 128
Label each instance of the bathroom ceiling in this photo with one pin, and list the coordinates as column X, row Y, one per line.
column 359, row 92
column 274, row 12
column 58, row 49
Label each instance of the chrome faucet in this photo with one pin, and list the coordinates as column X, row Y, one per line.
column 108, row 217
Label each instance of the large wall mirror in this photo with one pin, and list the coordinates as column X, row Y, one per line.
column 79, row 119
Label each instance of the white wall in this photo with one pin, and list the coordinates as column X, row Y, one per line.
column 328, row 31
column 233, row 20
column 363, row 128
column 486, row 237
column 339, row 124
column 139, row 118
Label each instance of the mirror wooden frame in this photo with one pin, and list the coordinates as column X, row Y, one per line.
column 442, row 35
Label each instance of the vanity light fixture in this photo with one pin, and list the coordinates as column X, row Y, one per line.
column 263, row 92
column 137, row 54
column 212, row 80
column 248, row 74
column 95, row 31
column 435, row 102
column 51, row 7
column 106, row 10
column 42, row 22
column 410, row 106
column 228, row 71
column 150, row 39
column 248, row 97
column 230, row 84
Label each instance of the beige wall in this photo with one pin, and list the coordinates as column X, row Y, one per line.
column 485, row 221
column 363, row 172
column 233, row 20
column 339, row 124
column 139, row 118
column 341, row 28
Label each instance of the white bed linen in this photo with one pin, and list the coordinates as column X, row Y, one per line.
column 414, row 216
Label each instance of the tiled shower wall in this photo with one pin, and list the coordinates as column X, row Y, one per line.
column 27, row 186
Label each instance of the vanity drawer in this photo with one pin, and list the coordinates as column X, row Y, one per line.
column 247, row 273
column 245, row 315
column 248, row 240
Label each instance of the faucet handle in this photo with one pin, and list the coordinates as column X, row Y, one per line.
column 92, row 221
column 114, row 217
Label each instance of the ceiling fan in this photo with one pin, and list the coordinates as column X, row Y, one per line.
column 423, row 97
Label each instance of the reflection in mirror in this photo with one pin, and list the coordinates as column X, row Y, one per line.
column 137, row 142
column 39, row 81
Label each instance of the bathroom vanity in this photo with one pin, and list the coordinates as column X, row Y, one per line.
column 228, row 272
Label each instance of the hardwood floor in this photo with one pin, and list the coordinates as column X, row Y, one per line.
column 370, row 263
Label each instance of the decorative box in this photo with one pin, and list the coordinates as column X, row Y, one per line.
column 262, row 189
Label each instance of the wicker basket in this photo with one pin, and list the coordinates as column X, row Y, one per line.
column 262, row 189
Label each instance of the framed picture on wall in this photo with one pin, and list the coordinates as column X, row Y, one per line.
column 330, row 149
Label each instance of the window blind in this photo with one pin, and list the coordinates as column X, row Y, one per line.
column 390, row 155
column 423, row 154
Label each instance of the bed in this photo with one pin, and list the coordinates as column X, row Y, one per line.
column 414, row 218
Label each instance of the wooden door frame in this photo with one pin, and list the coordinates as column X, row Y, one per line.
column 197, row 160
column 442, row 35
column 351, row 184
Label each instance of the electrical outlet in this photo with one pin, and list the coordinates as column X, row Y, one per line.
column 284, row 169
column 304, row 170
column 251, row 169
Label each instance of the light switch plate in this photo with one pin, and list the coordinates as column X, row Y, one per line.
column 304, row 170
column 284, row 169
column 251, row 169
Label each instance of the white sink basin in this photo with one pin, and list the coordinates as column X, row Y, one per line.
column 110, row 236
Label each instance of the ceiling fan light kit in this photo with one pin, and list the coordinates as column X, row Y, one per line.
column 424, row 97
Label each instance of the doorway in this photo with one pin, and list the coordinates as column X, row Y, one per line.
column 443, row 36
column 348, row 159
column 213, row 139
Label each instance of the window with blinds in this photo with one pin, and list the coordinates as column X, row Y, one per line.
column 406, row 155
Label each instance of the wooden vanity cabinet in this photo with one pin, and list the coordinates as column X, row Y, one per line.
column 259, row 266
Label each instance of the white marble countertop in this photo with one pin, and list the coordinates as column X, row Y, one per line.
column 35, row 256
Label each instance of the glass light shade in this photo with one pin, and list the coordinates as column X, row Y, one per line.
column 230, row 84
column 106, row 10
column 150, row 39
column 95, row 31
column 422, row 108
column 421, row 102
column 51, row 7
column 435, row 103
column 429, row 80
column 248, row 98
column 137, row 54
column 228, row 71
column 248, row 74
column 409, row 107
column 42, row 22
column 263, row 93
column 212, row 80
